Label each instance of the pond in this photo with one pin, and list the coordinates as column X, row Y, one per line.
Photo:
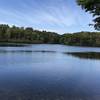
column 49, row 72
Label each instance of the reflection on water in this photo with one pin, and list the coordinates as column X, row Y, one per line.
column 46, row 72
column 26, row 51
column 85, row 55
column 13, row 45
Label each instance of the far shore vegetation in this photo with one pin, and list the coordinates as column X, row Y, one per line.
column 11, row 35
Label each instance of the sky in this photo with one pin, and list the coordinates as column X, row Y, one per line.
column 61, row 16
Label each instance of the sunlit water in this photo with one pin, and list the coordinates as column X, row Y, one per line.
column 49, row 72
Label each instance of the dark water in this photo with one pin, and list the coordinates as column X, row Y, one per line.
column 49, row 72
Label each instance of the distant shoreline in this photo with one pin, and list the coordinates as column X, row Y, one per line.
column 12, row 44
column 29, row 44
column 18, row 36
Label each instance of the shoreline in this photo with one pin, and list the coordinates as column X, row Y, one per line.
column 21, row 44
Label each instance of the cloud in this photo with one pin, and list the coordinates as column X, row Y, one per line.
column 58, row 15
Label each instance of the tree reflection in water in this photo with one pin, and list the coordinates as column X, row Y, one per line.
column 85, row 55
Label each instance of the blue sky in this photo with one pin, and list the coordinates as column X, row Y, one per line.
column 62, row 16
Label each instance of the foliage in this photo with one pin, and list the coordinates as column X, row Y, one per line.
column 26, row 35
column 92, row 6
column 81, row 39
column 29, row 35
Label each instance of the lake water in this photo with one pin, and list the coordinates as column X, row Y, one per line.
column 49, row 72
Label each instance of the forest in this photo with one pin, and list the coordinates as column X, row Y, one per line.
column 26, row 35
column 29, row 35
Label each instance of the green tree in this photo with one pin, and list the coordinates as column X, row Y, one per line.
column 3, row 32
column 93, row 7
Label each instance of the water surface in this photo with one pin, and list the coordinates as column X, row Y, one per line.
column 49, row 72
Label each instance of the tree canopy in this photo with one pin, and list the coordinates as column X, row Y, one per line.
column 93, row 7
column 26, row 35
column 29, row 35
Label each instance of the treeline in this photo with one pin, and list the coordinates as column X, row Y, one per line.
column 81, row 39
column 26, row 35
column 29, row 35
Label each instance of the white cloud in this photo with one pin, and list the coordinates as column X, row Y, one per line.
column 55, row 15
